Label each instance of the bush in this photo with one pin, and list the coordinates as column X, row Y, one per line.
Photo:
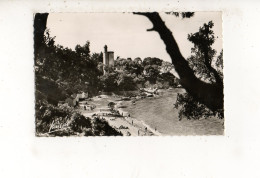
column 192, row 109
column 48, row 115
column 64, row 121
column 48, row 90
column 81, row 124
column 102, row 128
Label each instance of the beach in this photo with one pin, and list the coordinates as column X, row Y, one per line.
column 151, row 116
column 159, row 112
column 124, row 123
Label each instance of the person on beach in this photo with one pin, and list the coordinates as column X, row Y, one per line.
column 145, row 129
column 155, row 129
column 138, row 132
column 132, row 122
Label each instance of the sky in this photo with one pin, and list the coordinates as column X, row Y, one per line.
column 125, row 33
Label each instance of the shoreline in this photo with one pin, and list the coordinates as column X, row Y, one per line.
column 170, row 124
column 140, row 124
column 128, row 126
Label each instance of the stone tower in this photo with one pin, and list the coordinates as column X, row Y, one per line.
column 108, row 58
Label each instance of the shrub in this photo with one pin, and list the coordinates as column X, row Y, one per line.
column 64, row 121
column 102, row 128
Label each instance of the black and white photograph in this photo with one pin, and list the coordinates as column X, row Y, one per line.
column 129, row 89
column 128, row 74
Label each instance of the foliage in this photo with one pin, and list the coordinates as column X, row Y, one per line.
column 129, row 66
column 219, row 64
column 109, row 81
column 102, row 128
column 169, row 77
column 152, row 72
column 64, row 121
column 97, row 57
column 83, row 51
column 166, row 67
column 81, row 124
column 190, row 108
column 152, row 61
column 60, row 72
column 48, row 90
column 74, row 70
column 137, row 60
column 202, row 53
column 46, row 114
column 126, row 82
column 207, row 92
column 182, row 14
column 111, row 105
column 127, row 74
column 201, row 61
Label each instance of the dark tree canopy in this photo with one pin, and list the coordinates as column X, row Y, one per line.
column 182, row 14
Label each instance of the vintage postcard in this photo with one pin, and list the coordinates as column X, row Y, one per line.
column 128, row 74
column 129, row 89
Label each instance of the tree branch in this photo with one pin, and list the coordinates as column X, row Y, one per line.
column 210, row 68
column 215, row 73
column 151, row 29
column 209, row 94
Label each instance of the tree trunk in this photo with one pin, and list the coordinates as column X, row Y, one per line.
column 209, row 94
column 40, row 22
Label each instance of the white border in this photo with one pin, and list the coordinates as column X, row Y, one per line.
column 234, row 155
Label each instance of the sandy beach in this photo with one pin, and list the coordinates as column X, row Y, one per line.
column 150, row 116
column 128, row 126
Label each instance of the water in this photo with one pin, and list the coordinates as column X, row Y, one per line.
column 159, row 113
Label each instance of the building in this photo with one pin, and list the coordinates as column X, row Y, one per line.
column 82, row 96
column 108, row 58
column 74, row 99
